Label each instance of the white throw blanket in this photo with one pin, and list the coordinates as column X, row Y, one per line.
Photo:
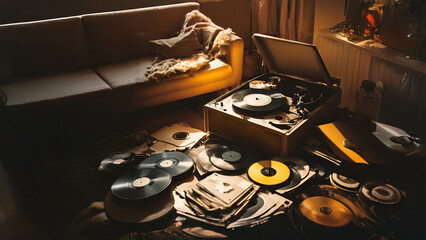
column 213, row 38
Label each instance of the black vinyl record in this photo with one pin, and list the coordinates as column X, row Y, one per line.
column 258, row 100
column 175, row 163
column 344, row 183
column 202, row 161
column 295, row 162
column 141, row 184
column 118, row 163
column 294, row 180
column 229, row 157
column 381, row 193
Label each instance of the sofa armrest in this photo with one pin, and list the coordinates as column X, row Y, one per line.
column 234, row 57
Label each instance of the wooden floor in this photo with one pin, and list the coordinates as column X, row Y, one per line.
column 39, row 185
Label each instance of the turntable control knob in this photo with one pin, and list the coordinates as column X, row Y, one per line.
column 221, row 104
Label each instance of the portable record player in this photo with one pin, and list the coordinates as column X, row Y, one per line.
column 274, row 111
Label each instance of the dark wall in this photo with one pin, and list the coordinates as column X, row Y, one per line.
column 226, row 13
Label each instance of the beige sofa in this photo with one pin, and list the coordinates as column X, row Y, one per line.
column 96, row 62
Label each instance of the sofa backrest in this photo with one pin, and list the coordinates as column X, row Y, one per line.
column 120, row 35
column 41, row 47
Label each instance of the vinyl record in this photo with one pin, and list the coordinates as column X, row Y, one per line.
column 294, row 180
column 175, row 163
column 269, row 173
column 295, row 162
column 229, row 156
column 344, row 183
column 202, row 161
column 258, row 100
column 141, row 184
column 139, row 211
column 326, row 211
column 381, row 193
column 118, row 163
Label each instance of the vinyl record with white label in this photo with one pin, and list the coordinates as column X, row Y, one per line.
column 175, row 163
column 258, row 100
column 141, row 184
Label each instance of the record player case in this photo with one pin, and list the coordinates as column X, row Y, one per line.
column 296, row 64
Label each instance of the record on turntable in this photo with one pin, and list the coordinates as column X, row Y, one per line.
column 258, row 100
column 344, row 183
column 175, row 163
column 269, row 173
column 141, row 184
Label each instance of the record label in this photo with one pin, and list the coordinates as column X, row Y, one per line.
column 231, row 156
column 269, row 172
column 141, row 182
column 257, row 99
column 166, row 163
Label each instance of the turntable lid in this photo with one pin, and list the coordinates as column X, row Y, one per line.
column 291, row 58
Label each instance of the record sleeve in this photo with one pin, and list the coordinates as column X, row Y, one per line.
column 226, row 188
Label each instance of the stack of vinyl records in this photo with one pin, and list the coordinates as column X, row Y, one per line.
column 226, row 201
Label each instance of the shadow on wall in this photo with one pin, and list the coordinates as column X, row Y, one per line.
column 234, row 14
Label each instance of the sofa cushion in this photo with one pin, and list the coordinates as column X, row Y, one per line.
column 129, row 81
column 54, row 88
column 41, row 47
column 121, row 35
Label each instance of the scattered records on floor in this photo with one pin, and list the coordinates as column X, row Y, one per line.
column 175, row 163
column 140, row 196
column 258, row 100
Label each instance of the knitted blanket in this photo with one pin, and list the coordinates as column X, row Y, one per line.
column 200, row 37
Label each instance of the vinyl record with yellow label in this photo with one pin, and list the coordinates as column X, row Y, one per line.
column 269, row 172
